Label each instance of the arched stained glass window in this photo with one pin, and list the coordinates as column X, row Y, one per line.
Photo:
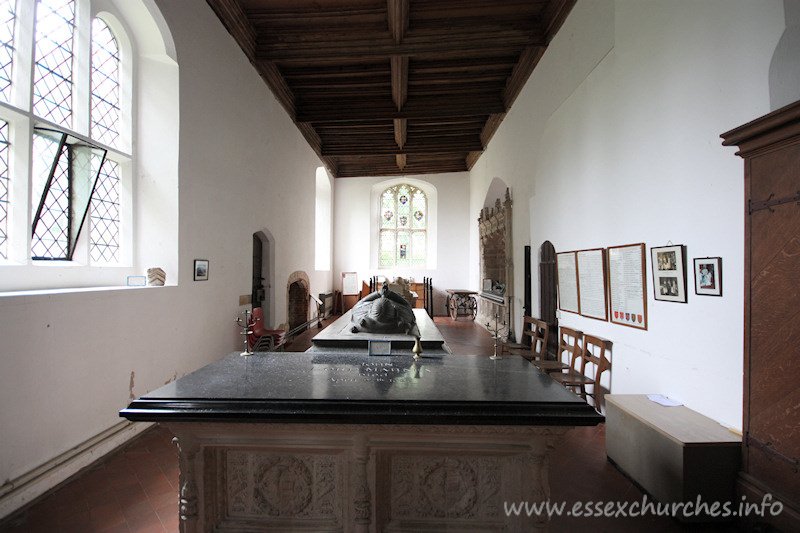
column 105, row 104
column 52, row 80
column 7, row 19
column 403, row 227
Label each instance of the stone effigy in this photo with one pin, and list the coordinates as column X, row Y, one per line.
column 384, row 311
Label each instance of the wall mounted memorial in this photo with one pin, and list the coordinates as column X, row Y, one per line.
column 497, row 263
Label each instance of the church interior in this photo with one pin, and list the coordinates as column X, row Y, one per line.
column 266, row 151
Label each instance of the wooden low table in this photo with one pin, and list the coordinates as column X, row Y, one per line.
column 462, row 303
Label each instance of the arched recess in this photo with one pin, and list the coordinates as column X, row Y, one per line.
column 496, row 263
column 156, row 135
column 784, row 69
column 264, row 259
column 497, row 190
column 298, row 288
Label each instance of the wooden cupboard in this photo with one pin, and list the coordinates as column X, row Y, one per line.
column 770, row 147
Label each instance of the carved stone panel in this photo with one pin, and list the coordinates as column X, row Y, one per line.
column 263, row 487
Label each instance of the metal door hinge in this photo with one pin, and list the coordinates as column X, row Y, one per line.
column 769, row 203
column 766, row 447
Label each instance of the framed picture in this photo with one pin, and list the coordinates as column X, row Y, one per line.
column 669, row 273
column 201, row 269
column 627, row 285
column 708, row 276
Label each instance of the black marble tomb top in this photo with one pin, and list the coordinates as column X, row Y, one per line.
column 362, row 389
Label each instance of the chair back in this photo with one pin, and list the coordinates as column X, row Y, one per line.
column 596, row 350
column 569, row 341
column 538, row 331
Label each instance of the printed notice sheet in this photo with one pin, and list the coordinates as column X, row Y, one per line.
column 592, row 283
column 626, row 283
column 567, row 282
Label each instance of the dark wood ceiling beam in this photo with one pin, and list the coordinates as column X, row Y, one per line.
column 459, row 81
column 430, row 109
column 399, row 65
column 465, row 67
column 414, row 165
column 319, row 97
column 398, row 19
column 463, row 143
column 472, row 158
column 492, row 123
column 555, row 13
column 400, row 131
column 378, row 67
column 271, row 75
column 394, row 87
column 235, row 20
column 304, row 18
column 465, row 91
column 427, row 10
column 522, row 71
column 442, row 45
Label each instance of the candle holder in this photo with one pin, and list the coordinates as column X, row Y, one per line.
column 495, row 334
column 246, row 331
column 417, row 349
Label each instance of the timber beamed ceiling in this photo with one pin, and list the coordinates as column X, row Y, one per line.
column 394, row 87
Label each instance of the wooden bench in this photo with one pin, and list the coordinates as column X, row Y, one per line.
column 673, row 453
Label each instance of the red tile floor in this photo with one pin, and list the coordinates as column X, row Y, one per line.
column 136, row 489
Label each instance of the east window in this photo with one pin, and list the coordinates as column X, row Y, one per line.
column 403, row 238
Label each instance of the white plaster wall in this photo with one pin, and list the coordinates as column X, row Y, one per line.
column 70, row 361
column 615, row 140
column 355, row 206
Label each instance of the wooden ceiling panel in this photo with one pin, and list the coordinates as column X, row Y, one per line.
column 393, row 87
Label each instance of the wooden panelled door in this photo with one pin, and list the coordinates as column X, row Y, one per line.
column 548, row 295
column 771, row 443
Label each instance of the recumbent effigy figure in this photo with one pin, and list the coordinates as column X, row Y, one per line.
column 384, row 311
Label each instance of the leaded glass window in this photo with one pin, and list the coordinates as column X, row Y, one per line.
column 105, row 104
column 64, row 175
column 3, row 189
column 104, row 215
column 52, row 83
column 403, row 227
column 7, row 19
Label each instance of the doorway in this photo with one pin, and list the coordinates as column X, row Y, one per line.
column 261, row 283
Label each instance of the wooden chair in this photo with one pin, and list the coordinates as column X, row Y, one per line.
column 265, row 340
column 569, row 341
column 538, row 331
column 594, row 352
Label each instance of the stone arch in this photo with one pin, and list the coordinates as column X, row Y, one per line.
column 298, row 289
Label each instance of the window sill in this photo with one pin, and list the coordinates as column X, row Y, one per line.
column 71, row 290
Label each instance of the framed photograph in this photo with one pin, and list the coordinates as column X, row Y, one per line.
column 201, row 269
column 669, row 273
column 708, row 276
